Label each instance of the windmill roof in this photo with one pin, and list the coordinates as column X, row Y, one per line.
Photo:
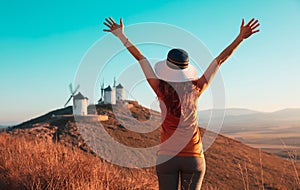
column 119, row 86
column 79, row 96
column 108, row 89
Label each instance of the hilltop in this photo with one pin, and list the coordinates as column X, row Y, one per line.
column 230, row 163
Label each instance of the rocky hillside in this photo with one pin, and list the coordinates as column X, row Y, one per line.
column 230, row 164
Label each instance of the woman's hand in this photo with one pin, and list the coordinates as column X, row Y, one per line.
column 245, row 32
column 116, row 29
column 249, row 29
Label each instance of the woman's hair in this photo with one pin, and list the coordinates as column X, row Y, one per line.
column 179, row 97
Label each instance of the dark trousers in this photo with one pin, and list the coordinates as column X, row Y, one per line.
column 189, row 169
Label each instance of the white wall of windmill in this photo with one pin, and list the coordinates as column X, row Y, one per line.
column 110, row 96
column 120, row 94
column 80, row 106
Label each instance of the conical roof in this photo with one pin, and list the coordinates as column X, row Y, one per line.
column 119, row 86
column 79, row 96
column 108, row 89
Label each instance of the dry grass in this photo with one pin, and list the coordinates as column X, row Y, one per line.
column 27, row 163
column 30, row 160
column 243, row 171
column 293, row 159
column 38, row 164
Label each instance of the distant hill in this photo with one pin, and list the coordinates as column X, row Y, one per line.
column 227, row 112
column 244, row 119
column 276, row 132
column 230, row 164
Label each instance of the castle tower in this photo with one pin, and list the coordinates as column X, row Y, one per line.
column 80, row 104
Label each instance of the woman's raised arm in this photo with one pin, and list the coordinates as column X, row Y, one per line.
column 245, row 32
column 118, row 31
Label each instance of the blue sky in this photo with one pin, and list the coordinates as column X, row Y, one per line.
column 43, row 43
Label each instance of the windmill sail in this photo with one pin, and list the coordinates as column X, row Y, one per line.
column 72, row 92
column 68, row 101
column 76, row 89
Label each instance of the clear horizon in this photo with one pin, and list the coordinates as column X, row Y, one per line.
column 42, row 45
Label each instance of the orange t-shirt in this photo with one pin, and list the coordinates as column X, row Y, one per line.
column 180, row 134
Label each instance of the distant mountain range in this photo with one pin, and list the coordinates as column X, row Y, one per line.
column 236, row 119
column 289, row 113
column 228, row 111
column 275, row 132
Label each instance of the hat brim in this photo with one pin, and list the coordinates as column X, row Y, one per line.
column 167, row 73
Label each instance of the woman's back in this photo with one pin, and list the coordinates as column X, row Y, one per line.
column 178, row 103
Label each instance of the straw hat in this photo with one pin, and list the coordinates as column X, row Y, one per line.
column 176, row 67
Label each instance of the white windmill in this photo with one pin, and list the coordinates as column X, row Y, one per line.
column 80, row 103
column 120, row 92
column 109, row 95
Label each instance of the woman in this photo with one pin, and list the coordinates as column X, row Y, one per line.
column 175, row 82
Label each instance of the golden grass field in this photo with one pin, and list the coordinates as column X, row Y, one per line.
column 51, row 153
column 38, row 165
